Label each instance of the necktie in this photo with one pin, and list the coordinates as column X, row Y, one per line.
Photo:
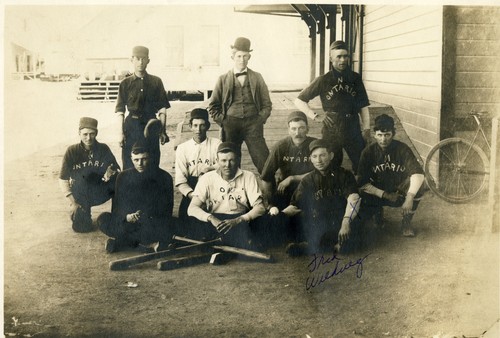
column 239, row 74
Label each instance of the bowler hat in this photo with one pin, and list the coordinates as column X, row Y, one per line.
column 88, row 122
column 242, row 44
column 140, row 51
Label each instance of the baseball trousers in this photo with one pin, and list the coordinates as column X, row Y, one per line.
column 133, row 129
column 89, row 193
column 250, row 130
column 146, row 231
column 346, row 134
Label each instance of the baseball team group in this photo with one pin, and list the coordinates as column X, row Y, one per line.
column 302, row 198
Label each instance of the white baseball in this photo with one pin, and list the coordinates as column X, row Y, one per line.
column 274, row 211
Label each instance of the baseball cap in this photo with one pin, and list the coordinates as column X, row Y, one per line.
column 297, row 114
column 140, row 51
column 199, row 113
column 384, row 123
column 88, row 122
column 318, row 144
column 140, row 147
column 228, row 147
column 339, row 44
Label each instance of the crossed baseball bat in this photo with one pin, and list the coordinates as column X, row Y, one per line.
column 194, row 246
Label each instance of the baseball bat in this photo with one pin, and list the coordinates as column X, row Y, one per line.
column 226, row 248
column 183, row 262
column 124, row 263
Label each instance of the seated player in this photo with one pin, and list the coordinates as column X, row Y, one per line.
column 328, row 203
column 87, row 176
column 142, row 207
column 226, row 200
column 194, row 158
column 389, row 175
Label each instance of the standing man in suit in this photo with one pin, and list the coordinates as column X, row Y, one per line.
column 241, row 105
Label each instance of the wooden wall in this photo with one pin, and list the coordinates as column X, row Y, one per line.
column 402, row 58
column 477, row 50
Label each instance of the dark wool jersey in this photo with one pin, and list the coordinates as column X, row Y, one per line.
column 142, row 96
column 386, row 169
column 151, row 192
column 339, row 92
column 324, row 197
column 291, row 159
column 88, row 166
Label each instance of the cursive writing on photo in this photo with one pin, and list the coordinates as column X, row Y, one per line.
column 323, row 268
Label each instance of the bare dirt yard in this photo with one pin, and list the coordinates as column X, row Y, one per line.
column 442, row 283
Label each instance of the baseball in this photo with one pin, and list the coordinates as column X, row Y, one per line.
column 274, row 211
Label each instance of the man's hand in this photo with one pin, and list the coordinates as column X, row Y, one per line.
column 225, row 226
column 408, row 204
column 121, row 140
column 164, row 138
column 284, row 184
column 135, row 217
column 367, row 136
column 73, row 207
column 345, row 230
column 390, row 196
column 109, row 173
column 328, row 121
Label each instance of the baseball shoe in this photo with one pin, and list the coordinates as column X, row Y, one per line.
column 296, row 249
column 110, row 245
column 82, row 221
column 406, row 228
column 153, row 128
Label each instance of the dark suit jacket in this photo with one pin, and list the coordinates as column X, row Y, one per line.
column 222, row 96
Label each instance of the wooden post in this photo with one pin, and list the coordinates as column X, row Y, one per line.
column 493, row 196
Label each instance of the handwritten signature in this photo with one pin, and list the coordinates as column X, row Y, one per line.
column 318, row 276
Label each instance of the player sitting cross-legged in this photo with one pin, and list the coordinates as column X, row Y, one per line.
column 328, row 203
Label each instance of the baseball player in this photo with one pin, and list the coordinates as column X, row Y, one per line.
column 226, row 200
column 328, row 202
column 87, row 175
column 142, row 206
column 344, row 100
column 285, row 167
column 390, row 175
column 241, row 105
column 194, row 157
column 144, row 96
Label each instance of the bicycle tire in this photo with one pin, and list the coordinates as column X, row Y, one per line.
column 456, row 170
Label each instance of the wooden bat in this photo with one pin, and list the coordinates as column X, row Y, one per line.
column 226, row 248
column 125, row 263
column 183, row 262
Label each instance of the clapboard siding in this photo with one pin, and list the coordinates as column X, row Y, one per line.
column 402, row 66
column 477, row 66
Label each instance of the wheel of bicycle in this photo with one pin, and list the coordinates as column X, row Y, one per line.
column 456, row 170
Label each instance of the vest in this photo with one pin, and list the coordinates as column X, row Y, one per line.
column 242, row 105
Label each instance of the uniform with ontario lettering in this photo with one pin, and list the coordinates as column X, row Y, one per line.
column 389, row 175
column 194, row 157
column 227, row 200
column 327, row 199
column 82, row 176
column 342, row 95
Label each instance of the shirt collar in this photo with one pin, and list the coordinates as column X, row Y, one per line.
column 237, row 71
column 238, row 173
column 137, row 77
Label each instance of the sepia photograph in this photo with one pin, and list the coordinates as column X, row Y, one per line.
column 250, row 169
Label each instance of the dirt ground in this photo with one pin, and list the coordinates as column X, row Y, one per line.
column 442, row 283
